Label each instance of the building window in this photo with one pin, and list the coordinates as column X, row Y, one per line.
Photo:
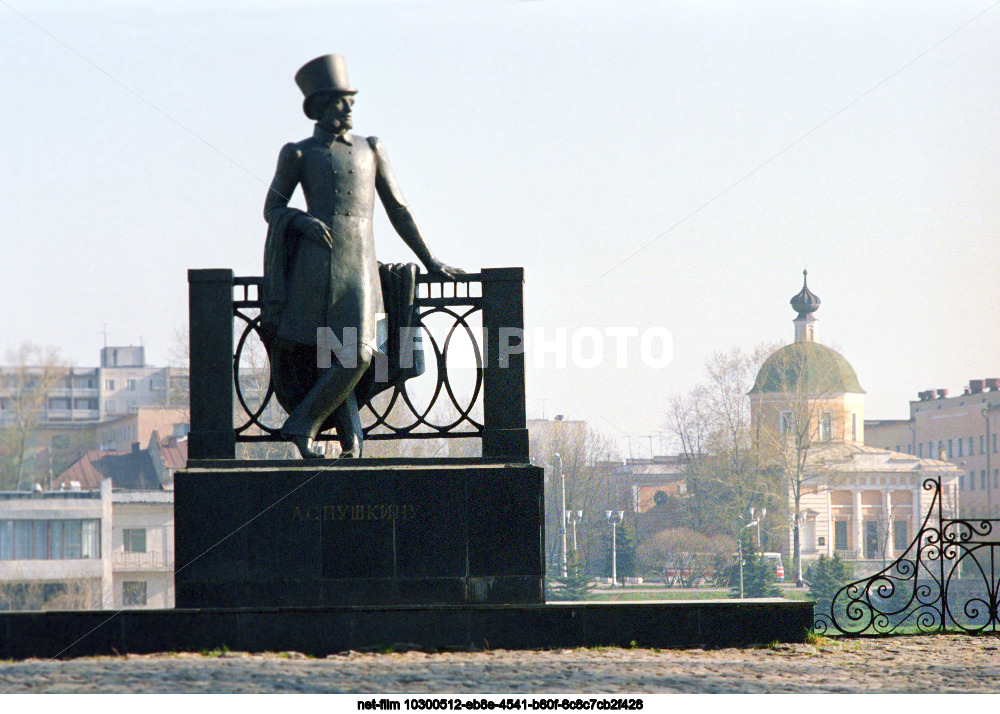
column 942, row 454
column 972, row 480
column 826, row 427
column 109, row 385
column 920, row 450
column 982, row 479
column 133, row 593
column 982, row 444
column 130, row 385
column 994, row 443
column 971, row 448
column 134, row 539
column 961, row 451
column 840, row 535
column 900, row 541
column 786, row 422
column 854, row 426
column 24, row 539
column 996, row 478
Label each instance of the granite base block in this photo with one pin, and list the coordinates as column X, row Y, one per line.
column 320, row 533
column 328, row 630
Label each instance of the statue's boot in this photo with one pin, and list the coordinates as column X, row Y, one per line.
column 348, row 423
column 307, row 447
column 333, row 389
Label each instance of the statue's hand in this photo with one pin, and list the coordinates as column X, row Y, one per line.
column 445, row 272
column 318, row 231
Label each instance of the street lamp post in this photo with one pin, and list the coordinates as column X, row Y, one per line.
column 799, row 521
column 574, row 517
column 614, row 518
column 562, row 512
column 763, row 512
column 739, row 541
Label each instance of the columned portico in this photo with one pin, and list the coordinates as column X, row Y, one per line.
column 858, row 529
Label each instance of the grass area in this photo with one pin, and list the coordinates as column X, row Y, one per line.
column 626, row 595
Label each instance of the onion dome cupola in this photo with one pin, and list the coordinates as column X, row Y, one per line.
column 805, row 303
column 806, row 366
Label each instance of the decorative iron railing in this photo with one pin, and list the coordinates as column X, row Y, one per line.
column 947, row 579
column 140, row 561
column 478, row 310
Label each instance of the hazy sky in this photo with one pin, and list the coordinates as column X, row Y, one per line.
column 716, row 148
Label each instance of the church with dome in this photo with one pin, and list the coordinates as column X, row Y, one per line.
column 860, row 502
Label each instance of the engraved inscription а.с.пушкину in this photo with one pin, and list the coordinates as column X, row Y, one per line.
column 355, row 512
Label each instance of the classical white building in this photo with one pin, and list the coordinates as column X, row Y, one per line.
column 860, row 502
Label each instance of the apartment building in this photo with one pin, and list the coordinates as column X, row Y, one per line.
column 75, row 549
column 74, row 395
column 963, row 430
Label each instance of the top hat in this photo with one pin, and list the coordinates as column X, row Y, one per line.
column 322, row 76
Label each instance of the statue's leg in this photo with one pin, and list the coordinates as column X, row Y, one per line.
column 348, row 423
column 334, row 386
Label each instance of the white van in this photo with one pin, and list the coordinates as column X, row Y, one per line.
column 775, row 560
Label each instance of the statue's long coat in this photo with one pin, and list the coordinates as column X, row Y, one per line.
column 308, row 284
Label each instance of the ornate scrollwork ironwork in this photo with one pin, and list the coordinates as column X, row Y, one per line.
column 447, row 414
column 947, row 579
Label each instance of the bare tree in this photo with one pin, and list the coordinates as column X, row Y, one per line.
column 33, row 373
column 584, row 457
column 683, row 556
column 178, row 371
column 712, row 424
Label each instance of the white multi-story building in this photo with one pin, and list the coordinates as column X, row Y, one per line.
column 64, row 412
column 122, row 384
column 127, row 382
column 142, row 548
column 53, row 547
column 74, row 549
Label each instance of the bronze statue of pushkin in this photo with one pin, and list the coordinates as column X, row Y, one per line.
column 321, row 277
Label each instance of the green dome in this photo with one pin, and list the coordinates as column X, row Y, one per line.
column 824, row 370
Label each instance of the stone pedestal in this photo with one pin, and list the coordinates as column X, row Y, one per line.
column 369, row 532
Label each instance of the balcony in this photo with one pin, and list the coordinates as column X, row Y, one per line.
column 153, row 560
column 59, row 415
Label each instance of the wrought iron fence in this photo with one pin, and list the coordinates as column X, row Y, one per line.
column 477, row 310
column 460, row 302
column 947, row 579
